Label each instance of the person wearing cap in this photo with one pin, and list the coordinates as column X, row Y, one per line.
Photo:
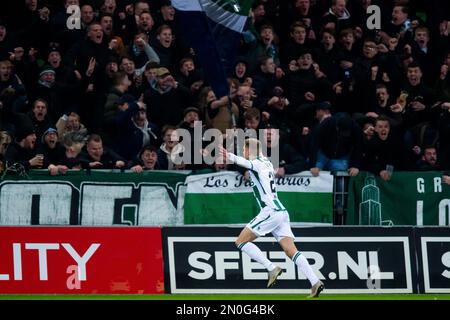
column 147, row 159
column 52, row 151
column 336, row 145
column 191, row 116
column 167, row 99
column 22, row 149
column 47, row 76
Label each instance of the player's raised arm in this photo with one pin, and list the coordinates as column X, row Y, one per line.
column 231, row 157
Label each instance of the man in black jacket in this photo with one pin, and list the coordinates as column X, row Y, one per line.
column 336, row 145
column 89, row 58
column 22, row 150
column 382, row 150
column 98, row 157
column 167, row 99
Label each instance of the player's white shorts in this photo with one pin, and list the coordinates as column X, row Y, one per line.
column 270, row 221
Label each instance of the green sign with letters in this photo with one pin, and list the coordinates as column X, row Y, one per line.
column 409, row 198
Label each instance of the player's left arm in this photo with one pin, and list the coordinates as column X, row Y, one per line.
column 231, row 157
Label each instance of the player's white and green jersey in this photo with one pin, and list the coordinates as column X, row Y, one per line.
column 262, row 174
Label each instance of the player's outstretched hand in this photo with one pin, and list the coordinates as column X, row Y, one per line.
column 223, row 153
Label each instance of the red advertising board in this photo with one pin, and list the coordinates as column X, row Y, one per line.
column 93, row 260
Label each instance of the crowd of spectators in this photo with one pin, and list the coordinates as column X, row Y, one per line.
column 112, row 93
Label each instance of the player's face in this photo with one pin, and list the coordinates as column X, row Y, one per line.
column 246, row 153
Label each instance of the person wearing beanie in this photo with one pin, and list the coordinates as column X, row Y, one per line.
column 53, row 151
column 46, row 89
column 22, row 149
column 66, row 86
column 47, row 77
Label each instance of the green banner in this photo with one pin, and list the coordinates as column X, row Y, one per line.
column 151, row 198
column 408, row 198
column 225, row 198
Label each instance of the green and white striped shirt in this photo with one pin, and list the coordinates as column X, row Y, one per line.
column 262, row 174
